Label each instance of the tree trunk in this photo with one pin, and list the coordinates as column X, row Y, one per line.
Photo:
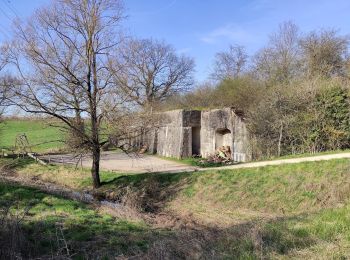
column 95, row 169
column 280, row 140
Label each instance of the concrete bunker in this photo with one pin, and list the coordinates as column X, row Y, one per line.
column 187, row 133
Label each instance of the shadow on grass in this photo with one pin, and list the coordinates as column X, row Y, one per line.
column 15, row 163
column 148, row 192
column 46, row 223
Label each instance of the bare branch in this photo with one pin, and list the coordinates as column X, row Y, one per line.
column 149, row 71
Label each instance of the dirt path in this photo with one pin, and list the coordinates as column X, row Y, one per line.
column 128, row 163
column 132, row 163
column 283, row 161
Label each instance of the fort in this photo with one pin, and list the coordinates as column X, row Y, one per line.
column 186, row 133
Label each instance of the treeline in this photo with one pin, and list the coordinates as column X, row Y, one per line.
column 294, row 92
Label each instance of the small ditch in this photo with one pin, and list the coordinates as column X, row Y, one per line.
column 115, row 208
column 80, row 196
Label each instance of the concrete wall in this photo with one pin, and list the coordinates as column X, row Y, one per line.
column 241, row 144
column 169, row 141
column 174, row 134
column 181, row 132
column 212, row 122
column 223, row 127
column 191, row 118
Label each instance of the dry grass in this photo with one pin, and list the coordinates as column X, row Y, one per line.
column 246, row 194
column 66, row 176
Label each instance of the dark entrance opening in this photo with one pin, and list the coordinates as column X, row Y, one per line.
column 196, row 140
column 223, row 138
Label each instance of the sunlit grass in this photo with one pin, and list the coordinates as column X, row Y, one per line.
column 41, row 136
column 68, row 176
column 80, row 224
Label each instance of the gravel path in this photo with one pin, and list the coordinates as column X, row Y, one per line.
column 284, row 161
column 146, row 163
column 121, row 162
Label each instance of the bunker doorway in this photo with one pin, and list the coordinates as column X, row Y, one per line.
column 223, row 137
column 196, row 140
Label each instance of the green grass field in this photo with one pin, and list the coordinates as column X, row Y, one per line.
column 41, row 136
column 276, row 212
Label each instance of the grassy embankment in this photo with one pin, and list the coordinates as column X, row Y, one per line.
column 298, row 210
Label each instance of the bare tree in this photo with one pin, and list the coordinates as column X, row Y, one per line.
column 6, row 84
column 149, row 71
column 61, row 56
column 3, row 58
column 325, row 53
column 230, row 63
column 280, row 60
column 5, row 80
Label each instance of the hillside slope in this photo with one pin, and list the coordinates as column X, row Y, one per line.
column 283, row 211
column 41, row 136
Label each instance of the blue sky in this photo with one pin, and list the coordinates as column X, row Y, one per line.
column 200, row 28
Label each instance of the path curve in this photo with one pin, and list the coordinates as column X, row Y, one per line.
column 152, row 164
column 283, row 161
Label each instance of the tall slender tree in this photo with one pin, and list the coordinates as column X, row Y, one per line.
column 61, row 56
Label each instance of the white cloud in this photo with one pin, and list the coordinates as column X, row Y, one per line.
column 184, row 51
column 228, row 32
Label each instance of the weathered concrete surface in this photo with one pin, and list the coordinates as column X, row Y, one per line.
column 213, row 121
column 222, row 127
column 173, row 137
column 241, row 145
column 184, row 133
column 170, row 134
column 191, row 118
